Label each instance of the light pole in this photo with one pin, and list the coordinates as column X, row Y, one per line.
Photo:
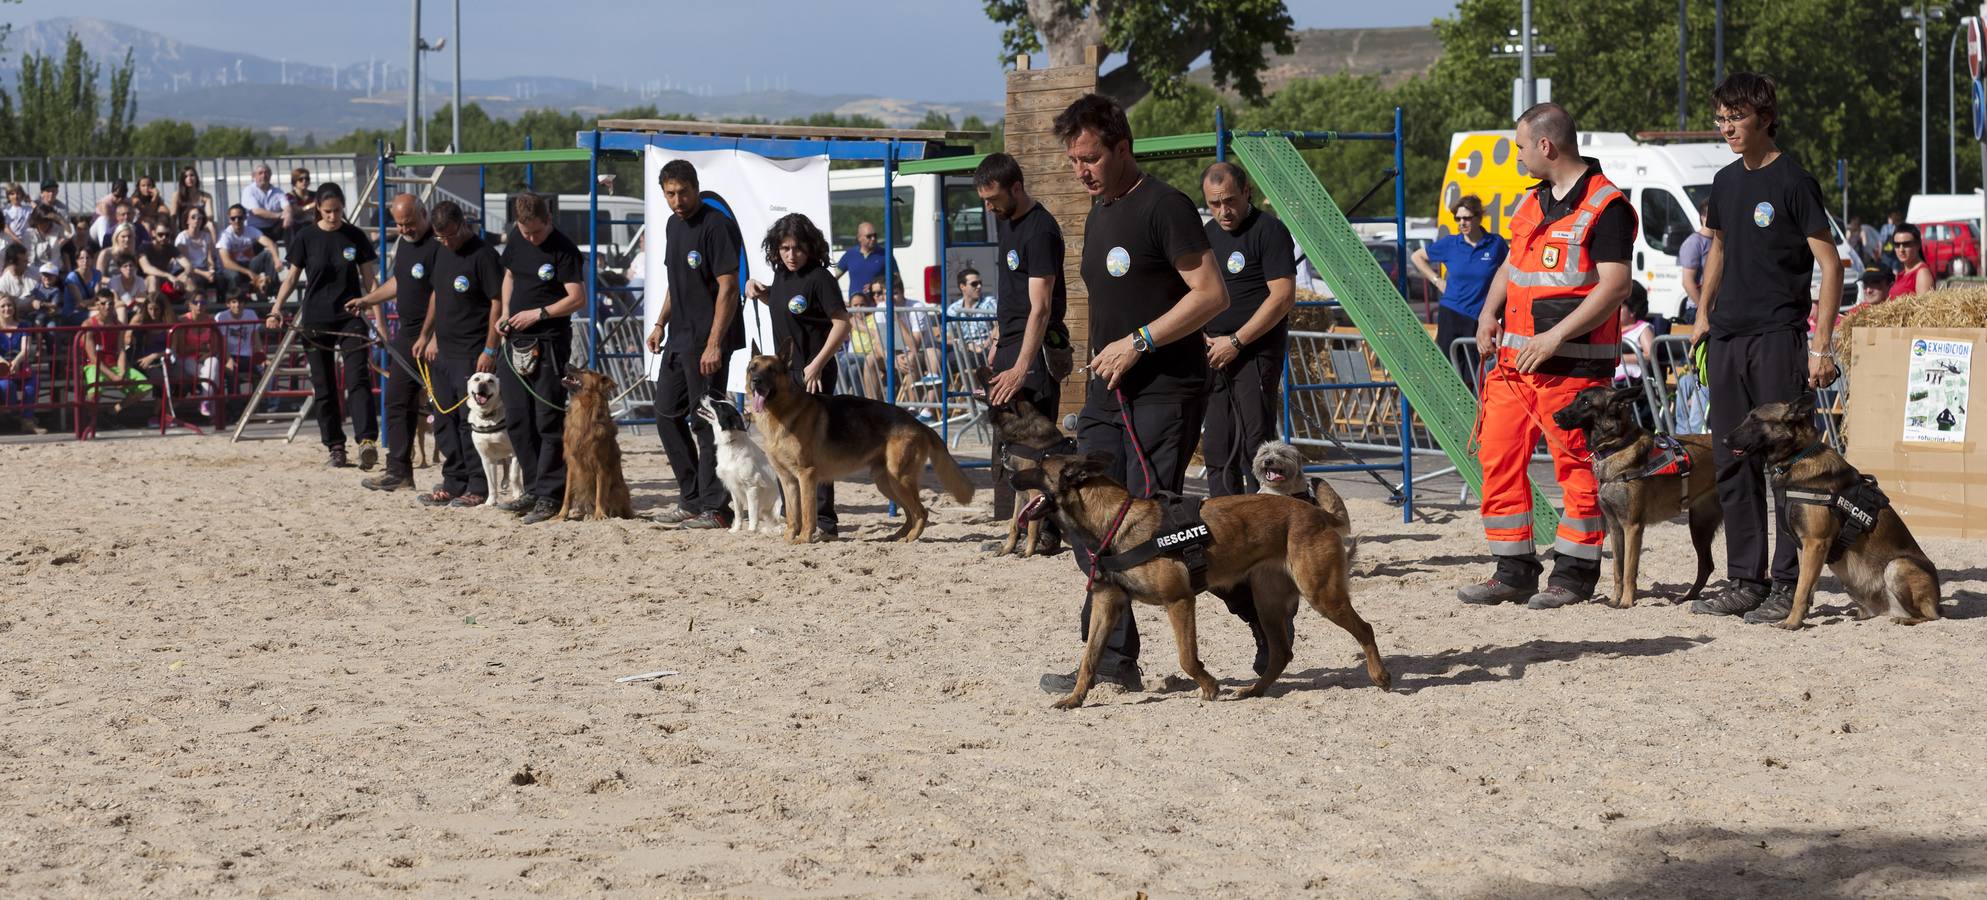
column 1524, row 46
column 1952, row 115
column 413, row 73
column 1683, row 64
column 1531, row 88
column 455, row 106
column 1922, row 17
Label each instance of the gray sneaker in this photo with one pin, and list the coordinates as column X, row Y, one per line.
column 1493, row 592
column 1554, row 596
column 672, row 516
column 542, row 510
column 1737, row 597
column 1778, row 605
column 523, row 504
column 1110, row 670
column 707, row 519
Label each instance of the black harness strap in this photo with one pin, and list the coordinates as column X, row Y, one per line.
column 1181, row 534
column 1856, row 507
column 1065, row 447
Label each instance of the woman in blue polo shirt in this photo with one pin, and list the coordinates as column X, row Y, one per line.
column 1472, row 257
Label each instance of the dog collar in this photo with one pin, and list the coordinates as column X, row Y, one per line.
column 1063, row 447
column 1781, row 469
column 487, row 429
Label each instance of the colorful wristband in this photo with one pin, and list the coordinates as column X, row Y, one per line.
column 489, row 351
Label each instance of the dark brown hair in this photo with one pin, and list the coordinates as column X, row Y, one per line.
column 1749, row 90
column 1093, row 112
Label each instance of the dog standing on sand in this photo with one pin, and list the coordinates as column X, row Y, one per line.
column 813, row 438
column 1279, row 469
column 743, row 468
column 1633, row 494
column 1025, row 437
column 1283, row 549
column 493, row 444
column 1840, row 517
column 595, row 488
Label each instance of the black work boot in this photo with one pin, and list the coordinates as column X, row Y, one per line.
column 1516, row 580
column 1778, row 605
column 1739, row 596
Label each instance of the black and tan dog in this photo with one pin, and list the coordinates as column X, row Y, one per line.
column 1282, row 548
column 1638, row 489
column 1024, row 436
column 1840, row 518
column 813, row 438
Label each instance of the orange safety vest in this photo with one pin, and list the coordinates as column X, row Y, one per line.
column 1556, row 272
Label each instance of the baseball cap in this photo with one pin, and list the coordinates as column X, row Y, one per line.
column 49, row 185
column 48, row 268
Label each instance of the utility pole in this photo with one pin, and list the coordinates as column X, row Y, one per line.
column 1683, row 65
column 1718, row 44
column 1531, row 89
column 455, row 123
column 413, row 74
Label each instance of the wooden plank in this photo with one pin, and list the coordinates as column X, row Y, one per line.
column 1032, row 121
column 1054, row 101
column 1061, row 78
column 792, row 132
column 1025, row 146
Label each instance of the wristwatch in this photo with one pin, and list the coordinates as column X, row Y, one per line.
column 1236, row 341
column 1141, row 340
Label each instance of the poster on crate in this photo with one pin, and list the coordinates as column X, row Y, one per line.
column 760, row 191
column 1936, row 391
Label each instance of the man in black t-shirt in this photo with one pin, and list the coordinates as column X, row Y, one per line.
column 1245, row 344
column 1153, row 286
column 542, row 290
column 700, row 313
column 459, row 338
column 413, row 296
column 1769, row 229
column 333, row 257
column 1031, row 344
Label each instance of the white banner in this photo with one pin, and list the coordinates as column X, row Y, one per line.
column 759, row 192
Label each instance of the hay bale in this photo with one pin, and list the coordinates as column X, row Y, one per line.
column 1962, row 306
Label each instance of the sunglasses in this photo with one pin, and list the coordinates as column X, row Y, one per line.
column 974, row 283
column 237, row 218
column 1903, row 245
column 1465, row 218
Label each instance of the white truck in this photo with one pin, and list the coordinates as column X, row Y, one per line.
column 856, row 196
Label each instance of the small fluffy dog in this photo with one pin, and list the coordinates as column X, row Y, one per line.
column 743, row 467
column 1279, row 469
column 595, row 487
column 493, row 445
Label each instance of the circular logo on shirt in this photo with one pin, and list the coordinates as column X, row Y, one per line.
column 461, row 284
column 420, row 271
column 1235, row 261
column 695, row 259
column 1013, row 260
column 797, row 305
column 351, row 253
column 1762, row 215
column 1117, row 262
column 545, row 272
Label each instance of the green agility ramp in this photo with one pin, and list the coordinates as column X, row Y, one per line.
column 1422, row 369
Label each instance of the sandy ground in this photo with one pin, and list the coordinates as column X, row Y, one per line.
column 233, row 672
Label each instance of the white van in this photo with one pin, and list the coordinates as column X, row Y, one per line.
column 1666, row 183
column 856, row 196
column 618, row 223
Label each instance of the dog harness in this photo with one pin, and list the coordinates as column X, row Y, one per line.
column 1181, row 535
column 1670, row 457
column 1065, row 447
column 1855, row 507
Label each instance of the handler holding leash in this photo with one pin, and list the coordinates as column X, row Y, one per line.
column 1558, row 295
column 1246, row 343
column 1153, row 286
column 333, row 254
column 460, row 339
column 542, row 289
column 413, row 296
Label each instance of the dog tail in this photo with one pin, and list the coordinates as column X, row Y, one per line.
column 949, row 473
column 1334, row 505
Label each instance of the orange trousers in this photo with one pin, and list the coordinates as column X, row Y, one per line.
column 1517, row 408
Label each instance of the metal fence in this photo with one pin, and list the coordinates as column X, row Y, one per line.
column 81, row 181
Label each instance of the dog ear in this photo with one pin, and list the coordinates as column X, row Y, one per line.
column 787, row 352
column 1803, row 406
column 1625, row 392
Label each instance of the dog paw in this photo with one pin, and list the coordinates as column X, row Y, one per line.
column 1070, row 702
column 1790, row 626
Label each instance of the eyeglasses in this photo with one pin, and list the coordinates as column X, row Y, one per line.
column 237, row 218
column 1462, row 218
column 1729, row 120
column 974, row 284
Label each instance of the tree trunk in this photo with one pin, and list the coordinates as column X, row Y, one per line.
column 1065, row 31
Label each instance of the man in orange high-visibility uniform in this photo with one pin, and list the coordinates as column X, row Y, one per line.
column 1566, row 275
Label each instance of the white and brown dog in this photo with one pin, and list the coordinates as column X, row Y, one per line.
column 493, row 445
column 742, row 466
column 1279, row 469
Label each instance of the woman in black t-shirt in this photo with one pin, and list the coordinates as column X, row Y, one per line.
column 333, row 256
column 806, row 308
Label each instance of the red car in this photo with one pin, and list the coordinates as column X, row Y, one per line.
column 1947, row 243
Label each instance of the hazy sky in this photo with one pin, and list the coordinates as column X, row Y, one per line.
column 941, row 50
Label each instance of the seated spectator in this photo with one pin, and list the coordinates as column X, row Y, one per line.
column 15, row 279
column 119, row 214
column 104, row 355
column 1637, row 335
column 47, row 231
column 79, row 289
column 45, row 300
column 124, row 241
column 19, row 385
column 126, row 285
column 51, row 197
column 189, row 197
column 158, row 260
column 267, row 207
column 238, row 325
column 303, row 200
column 146, row 202
column 120, row 192
column 1914, row 276
column 973, row 313
column 248, row 257
column 146, row 349
column 14, row 214
column 196, row 355
column 194, row 264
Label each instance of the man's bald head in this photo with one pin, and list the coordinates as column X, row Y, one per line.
column 408, row 214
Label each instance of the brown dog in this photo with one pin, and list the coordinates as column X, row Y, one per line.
column 1024, row 436
column 1882, row 567
column 1632, row 498
column 812, row 438
column 1282, row 548
column 595, row 488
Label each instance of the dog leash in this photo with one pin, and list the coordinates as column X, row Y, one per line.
column 524, row 382
column 427, row 381
column 1124, row 414
column 1105, row 545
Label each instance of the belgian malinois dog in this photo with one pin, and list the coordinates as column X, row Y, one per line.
column 812, row 438
column 1632, row 499
column 595, row 488
column 1019, row 426
column 1281, row 547
column 1883, row 569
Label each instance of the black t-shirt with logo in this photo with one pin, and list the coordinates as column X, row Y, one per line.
column 1764, row 217
column 1255, row 255
column 331, row 261
column 699, row 252
column 804, row 306
column 1129, row 245
column 413, row 264
column 1031, row 247
column 467, row 281
column 539, row 275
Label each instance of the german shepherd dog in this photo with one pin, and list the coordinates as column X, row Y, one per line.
column 1282, row 548
column 812, row 438
column 1623, row 450
column 1883, row 570
column 1018, row 423
column 595, row 488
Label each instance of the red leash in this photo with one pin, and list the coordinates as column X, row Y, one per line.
column 1105, row 546
column 1124, row 414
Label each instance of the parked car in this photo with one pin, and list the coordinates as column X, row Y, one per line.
column 1949, row 245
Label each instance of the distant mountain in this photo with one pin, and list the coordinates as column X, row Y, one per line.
column 1393, row 54
column 205, row 86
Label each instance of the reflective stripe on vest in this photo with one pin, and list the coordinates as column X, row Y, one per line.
column 1575, row 351
column 1553, row 262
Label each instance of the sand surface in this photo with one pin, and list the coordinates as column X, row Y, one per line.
column 232, row 672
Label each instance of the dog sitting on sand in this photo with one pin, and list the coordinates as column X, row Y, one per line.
column 493, row 444
column 742, row 466
column 595, row 487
